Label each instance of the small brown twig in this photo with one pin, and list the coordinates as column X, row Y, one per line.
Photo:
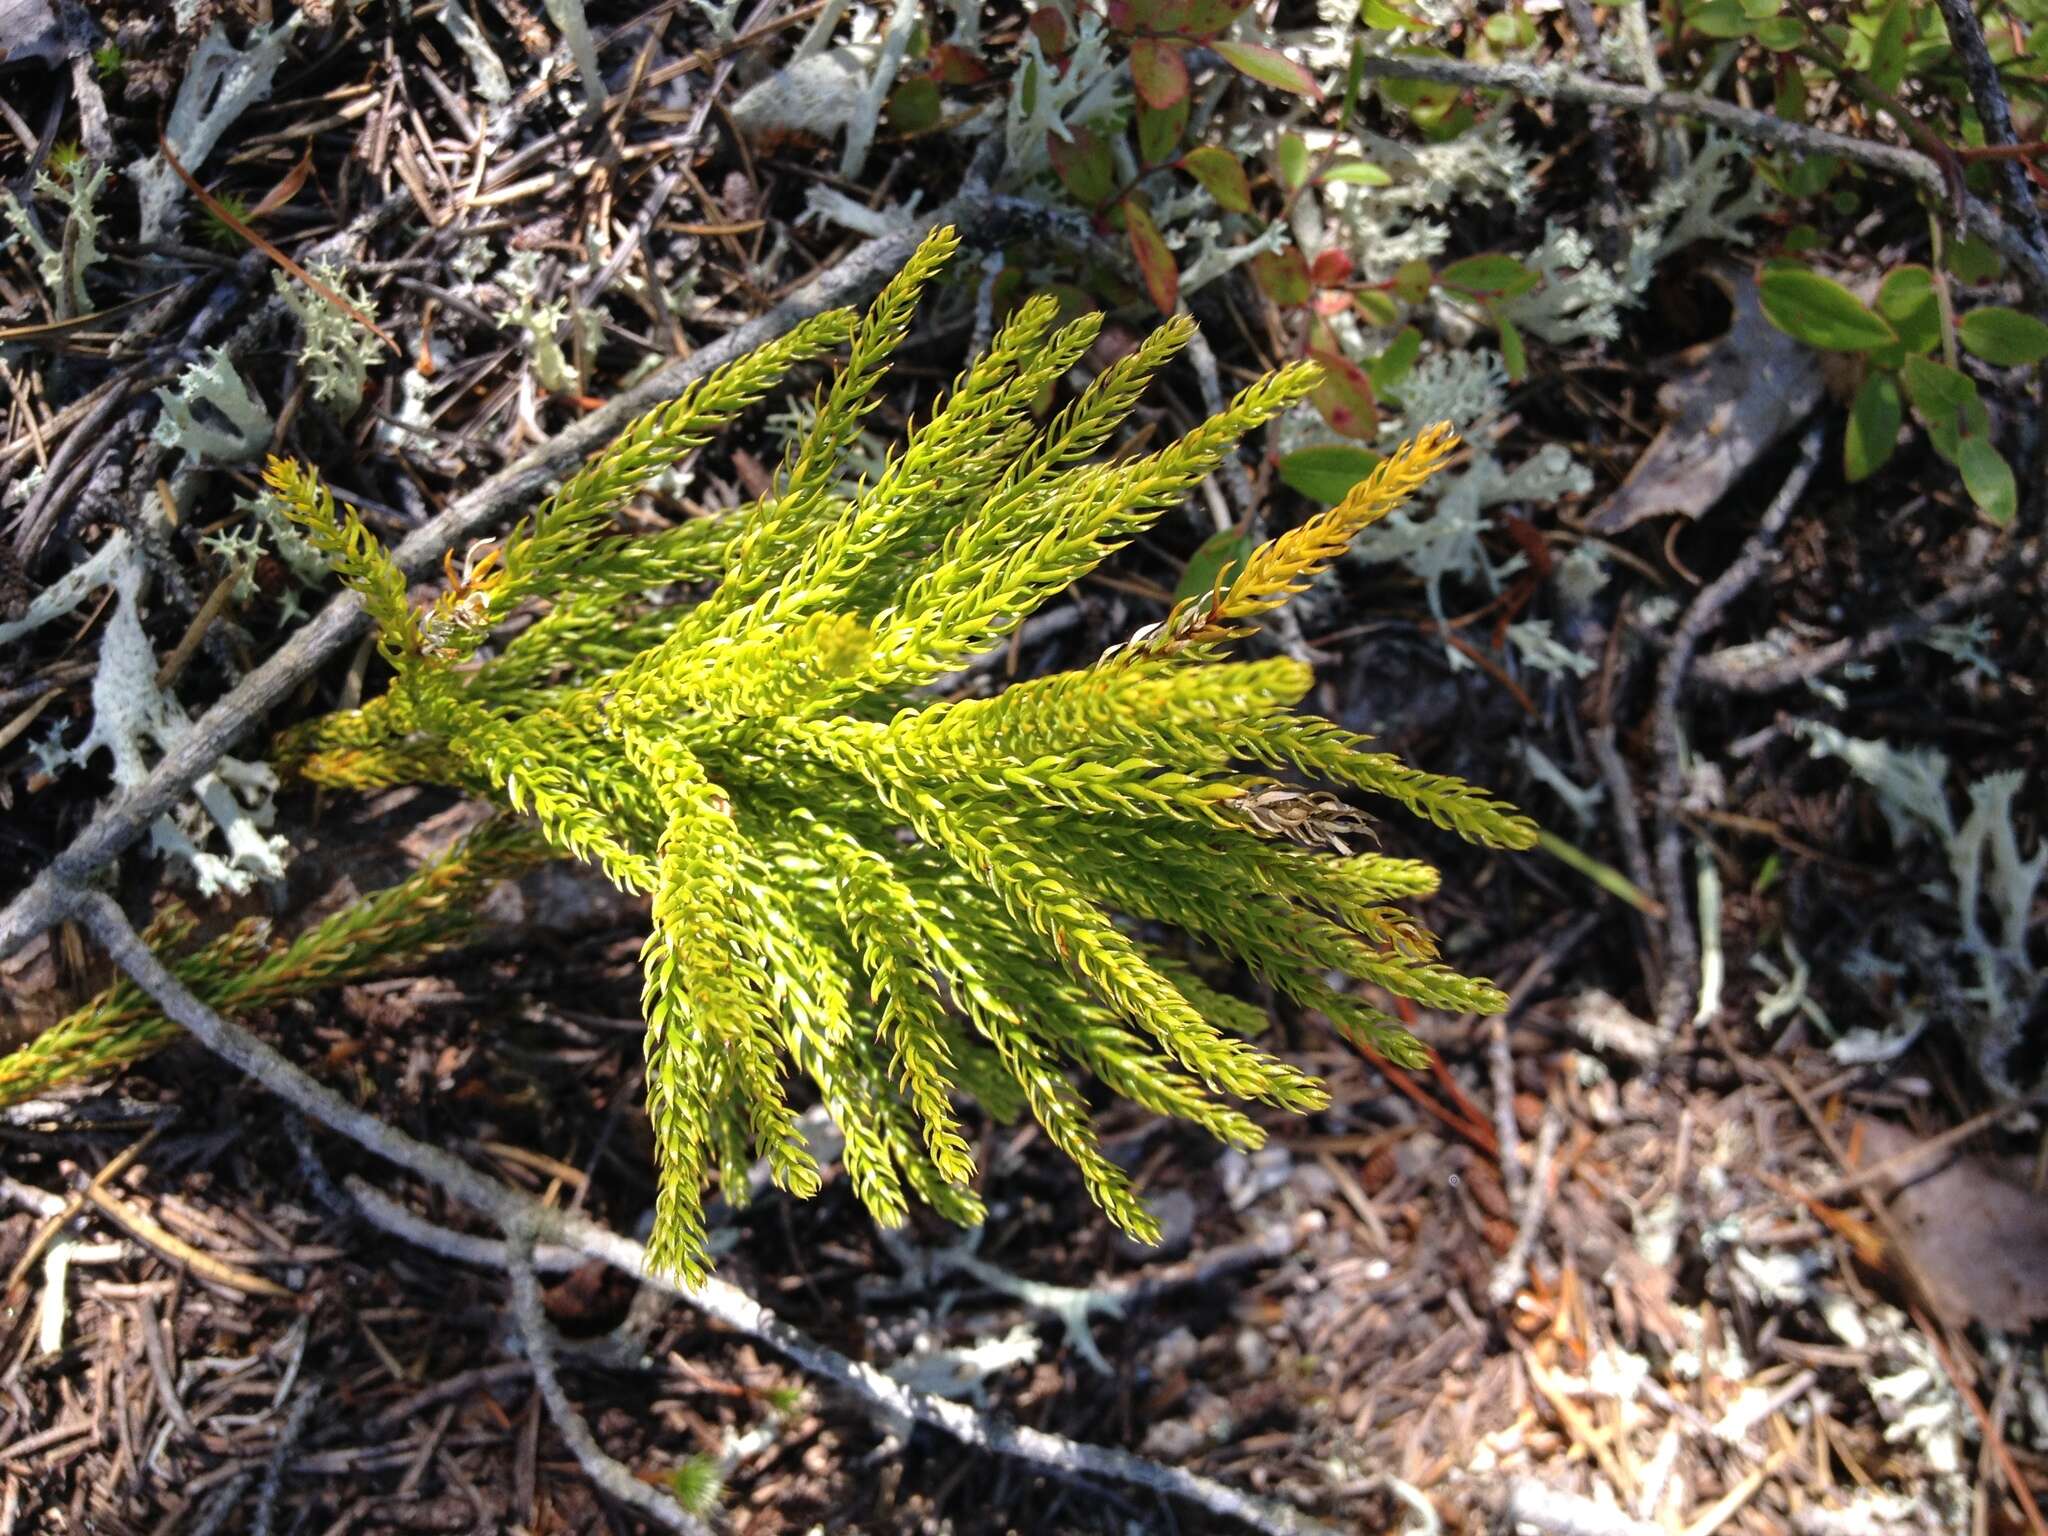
column 1476, row 1130
column 1514, row 1266
column 195, row 632
column 525, row 1220
column 288, row 1438
column 1730, row 676
column 1500, row 1068
column 177, row 1250
column 221, row 211
column 1682, row 942
column 610, row 1475
column 1987, row 1426
column 1994, row 112
column 119, row 1164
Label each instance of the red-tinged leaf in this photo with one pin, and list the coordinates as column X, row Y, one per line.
column 1206, row 18
column 1160, row 71
column 1221, row 176
column 1331, row 301
column 1345, row 396
column 1282, row 276
column 1331, row 269
column 1050, row 28
column 1168, row 16
column 1155, row 261
column 954, row 65
column 1083, row 165
column 1269, row 66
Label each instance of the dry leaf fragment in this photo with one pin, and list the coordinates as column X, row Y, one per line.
column 1975, row 1230
column 1732, row 401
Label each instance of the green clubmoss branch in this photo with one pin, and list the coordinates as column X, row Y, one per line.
column 894, row 898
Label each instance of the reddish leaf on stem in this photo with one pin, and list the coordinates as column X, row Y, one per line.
column 1160, row 71
column 1155, row 261
column 1345, row 396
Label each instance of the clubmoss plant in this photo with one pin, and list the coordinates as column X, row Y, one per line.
column 243, row 969
column 901, row 893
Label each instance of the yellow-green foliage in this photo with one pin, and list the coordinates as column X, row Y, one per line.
column 243, row 969
column 903, row 895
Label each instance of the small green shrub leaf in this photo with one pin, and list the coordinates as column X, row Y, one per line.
column 1719, row 18
column 1375, row 306
column 2002, row 336
column 1908, row 304
column 1205, row 18
column 1221, row 176
column 1290, row 158
column 1412, row 281
column 1873, row 426
column 914, row 105
column 1988, row 479
column 1083, row 165
column 1207, row 564
column 1392, row 366
column 1510, row 29
column 1947, row 401
column 1491, row 276
column 1513, row 354
column 1887, row 64
column 1269, row 67
column 1282, row 276
column 1159, row 132
column 1974, row 259
column 1328, row 471
column 1387, row 18
column 1361, row 173
column 1819, row 311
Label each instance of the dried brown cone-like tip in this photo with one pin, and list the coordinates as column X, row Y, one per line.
column 1312, row 817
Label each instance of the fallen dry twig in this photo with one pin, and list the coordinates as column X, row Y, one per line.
column 525, row 1220
column 1540, row 84
column 1682, row 942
